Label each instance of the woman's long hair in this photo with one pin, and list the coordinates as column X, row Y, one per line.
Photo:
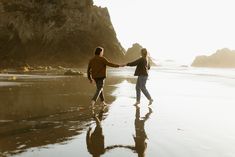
column 144, row 54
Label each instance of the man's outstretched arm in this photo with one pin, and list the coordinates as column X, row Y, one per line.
column 134, row 63
column 108, row 63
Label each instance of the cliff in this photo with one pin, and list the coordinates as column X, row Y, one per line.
column 55, row 32
column 134, row 52
column 223, row 58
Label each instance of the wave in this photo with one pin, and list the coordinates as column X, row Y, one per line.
column 206, row 72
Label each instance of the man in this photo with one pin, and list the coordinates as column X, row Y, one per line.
column 96, row 71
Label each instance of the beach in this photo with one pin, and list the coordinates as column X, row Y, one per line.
column 50, row 115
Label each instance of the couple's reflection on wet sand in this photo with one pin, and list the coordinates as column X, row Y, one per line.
column 140, row 134
column 95, row 140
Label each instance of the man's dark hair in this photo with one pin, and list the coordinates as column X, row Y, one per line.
column 98, row 50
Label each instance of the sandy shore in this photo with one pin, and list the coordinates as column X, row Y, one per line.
column 192, row 116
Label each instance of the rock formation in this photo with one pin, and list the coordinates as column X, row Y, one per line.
column 55, row 32
column 134, row 52
column 223, row 58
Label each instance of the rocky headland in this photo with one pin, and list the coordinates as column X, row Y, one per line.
column 54, row 33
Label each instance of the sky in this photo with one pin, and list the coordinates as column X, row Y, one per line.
column 174, row 29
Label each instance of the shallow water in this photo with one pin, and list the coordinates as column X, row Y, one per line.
column 192, row 115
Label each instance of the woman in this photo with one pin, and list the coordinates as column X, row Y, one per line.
column 142, row 67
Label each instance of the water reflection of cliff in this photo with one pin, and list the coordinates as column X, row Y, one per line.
column 44, row 112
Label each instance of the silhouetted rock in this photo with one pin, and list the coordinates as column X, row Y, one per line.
column 184, row 66
column 169, row 60
column 134, row 52
column 223, row 58
column 55, row 32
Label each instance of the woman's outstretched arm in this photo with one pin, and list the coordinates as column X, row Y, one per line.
column 134, row 63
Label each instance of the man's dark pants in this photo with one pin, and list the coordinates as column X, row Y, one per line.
column 99, row 89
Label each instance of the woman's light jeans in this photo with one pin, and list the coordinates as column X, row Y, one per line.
column 141, row 86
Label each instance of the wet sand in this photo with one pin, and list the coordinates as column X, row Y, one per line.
column 192, row 116
column 38, row 110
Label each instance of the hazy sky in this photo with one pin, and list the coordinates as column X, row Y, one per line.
column 174, row 29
